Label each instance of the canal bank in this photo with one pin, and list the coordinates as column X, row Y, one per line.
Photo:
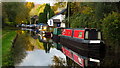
column 8, row 37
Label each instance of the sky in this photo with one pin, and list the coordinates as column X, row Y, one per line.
column 51, row 2
column 47, row 1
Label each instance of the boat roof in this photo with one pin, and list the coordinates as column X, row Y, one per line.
column 83, row 29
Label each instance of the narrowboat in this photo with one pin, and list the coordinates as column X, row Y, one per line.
column 85, row 40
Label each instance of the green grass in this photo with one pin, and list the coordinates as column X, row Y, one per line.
column 0, row 47
column 7, row 38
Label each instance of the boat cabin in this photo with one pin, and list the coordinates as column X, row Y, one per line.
column 87, row 34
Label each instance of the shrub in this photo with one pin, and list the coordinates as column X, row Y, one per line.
column 111, row 29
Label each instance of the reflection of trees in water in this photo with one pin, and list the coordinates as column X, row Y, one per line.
column 58, row 62
column 18, row 49
column 33, row 42
column 111, row 60
column 34, row 35
column 23, row 43
column 71, row 63
column 47, row 47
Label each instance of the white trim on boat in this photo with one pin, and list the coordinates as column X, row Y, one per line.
column 94, row 41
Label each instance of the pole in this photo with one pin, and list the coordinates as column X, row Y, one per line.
column 68, row 5
column 30, row 20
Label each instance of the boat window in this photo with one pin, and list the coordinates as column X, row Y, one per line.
column 80, row 34
column 86, row 35
column 99, row 35
column 93, row 34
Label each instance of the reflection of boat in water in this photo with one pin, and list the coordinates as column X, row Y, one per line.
column 27, row 29
column 47, row 47
column 83, row 61
column 57, row 46
column 56, row 34
column 44, row 37
column 82, row 58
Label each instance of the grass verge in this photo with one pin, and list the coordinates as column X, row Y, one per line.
column 0, row 47
column 7, row 39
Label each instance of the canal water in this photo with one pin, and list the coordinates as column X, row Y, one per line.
column 30, row 51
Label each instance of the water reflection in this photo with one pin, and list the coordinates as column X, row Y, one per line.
column 18, row 48
column 47, row 47
column 29, row 51
column 83, row 61
column 40, row 58
column 34, row 49
column 111, row 60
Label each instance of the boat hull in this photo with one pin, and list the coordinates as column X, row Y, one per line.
column 84, row 49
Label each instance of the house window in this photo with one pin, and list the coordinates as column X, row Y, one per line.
column 80, row 34
column 50, row 22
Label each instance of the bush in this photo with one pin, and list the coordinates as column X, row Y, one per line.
column 111, row 29
column 81, row 21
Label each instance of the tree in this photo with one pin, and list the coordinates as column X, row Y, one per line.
column 104, row 8
column 111, row 29
column 23, row 16
column 11, row 11
column 29, row 5
column 47, row 14
column 16, row 12
column 59, row 5
column 37, row 10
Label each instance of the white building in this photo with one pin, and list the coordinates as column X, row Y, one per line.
column 57, row 21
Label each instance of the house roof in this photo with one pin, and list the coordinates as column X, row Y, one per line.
column 59, row 13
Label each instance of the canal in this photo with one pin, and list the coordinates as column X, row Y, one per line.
column 29, row 50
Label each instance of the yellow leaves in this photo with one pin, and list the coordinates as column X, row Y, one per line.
column 61, row 4
column 29, row 4
column 54, row 8
column 32, row 44
column 33, row 12
column 40, row 9
column 20, row 32
column 37, row 9
column 56, row 59
column 57, row 6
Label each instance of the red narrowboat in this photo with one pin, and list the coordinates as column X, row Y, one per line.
column 89, row 40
